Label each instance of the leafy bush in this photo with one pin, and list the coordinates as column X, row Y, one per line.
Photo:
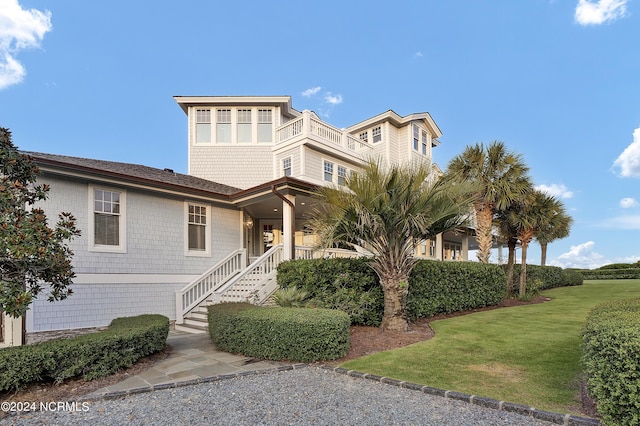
column 434, row 286
column 611, row 346
column 88, row 356
column 292, row 334
column 437, row 287
column 620, row 266
column 611, row 274
column 546, row 277
column 291, row 297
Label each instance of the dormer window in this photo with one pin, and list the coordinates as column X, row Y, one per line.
column 416, row 137
column 424, row 142
column 223, row 125
column 364, row 137
column 244, row 125
column 265, row 125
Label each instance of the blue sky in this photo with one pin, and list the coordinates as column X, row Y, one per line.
column 557, row 80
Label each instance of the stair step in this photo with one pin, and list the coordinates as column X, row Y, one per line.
column 190, row 329
column 196, row 322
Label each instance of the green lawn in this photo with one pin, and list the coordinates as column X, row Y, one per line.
column 525, row 354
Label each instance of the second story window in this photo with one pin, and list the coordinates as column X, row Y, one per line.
column 424, row 142
column 376, row 132
column 342, row 175
column 223, row 125
column 328, row 171
column 244, row 125
column 416, row 137
column 265, row 125
column 203, row 126
column 364, row 137
column 286, row 166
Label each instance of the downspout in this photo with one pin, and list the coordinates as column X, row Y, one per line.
column 293, row 219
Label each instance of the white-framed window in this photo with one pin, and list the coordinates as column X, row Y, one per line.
column 244, row 125
column 107, row 222
column 424, row 142
column 376, row 134
column 286, row 166
column 265, row 125
column 328, row 171
column 342, row 175
column 364, row 137
column 223, row 125
column 416, row 137
column 197, row 229
column 203, row 126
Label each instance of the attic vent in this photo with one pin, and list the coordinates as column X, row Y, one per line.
column 169, row 170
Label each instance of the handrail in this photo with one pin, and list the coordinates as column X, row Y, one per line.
column 305, row 252
column 261, row 269
column 199, row 289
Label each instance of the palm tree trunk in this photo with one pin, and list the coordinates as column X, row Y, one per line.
column 511, row 244
column 484, row 218
column 395, row 289
column 543, row 256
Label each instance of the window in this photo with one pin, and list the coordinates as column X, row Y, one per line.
column 244, row 125
column 223, row 125
column 416, row 137
column 265, row 125
column 328, row 171
column 377, row 134
column 342, row 175
column 106, row 221
column 286, row 166
column 197, row 230
column 203, row 126
column 364, row 137
column 424, row 143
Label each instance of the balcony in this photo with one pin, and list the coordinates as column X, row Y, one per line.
column 322, row 135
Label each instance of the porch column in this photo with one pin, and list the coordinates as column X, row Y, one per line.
column 465, row 247
column 288, row 227
column 439, row 247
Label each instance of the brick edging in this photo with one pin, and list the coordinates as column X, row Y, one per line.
column 561, row 419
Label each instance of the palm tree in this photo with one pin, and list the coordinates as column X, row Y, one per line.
column 531, row 214
column 388, row 211
column 508, row 231
column 500, row 177
column 556, row 228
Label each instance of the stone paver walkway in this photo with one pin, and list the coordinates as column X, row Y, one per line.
column 194, row 358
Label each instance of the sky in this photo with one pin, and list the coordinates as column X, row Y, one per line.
column 558, row 81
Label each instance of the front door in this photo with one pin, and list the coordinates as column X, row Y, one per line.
column 271, row 234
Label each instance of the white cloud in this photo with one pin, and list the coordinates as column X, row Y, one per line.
column 19, row 29
column 627, row 203
column 629, row 160
column 418, row 55
column 555, row 190
column 630, row 222
column 333, row 99
column 312, row 91
column 581, row 256
column 598, row 12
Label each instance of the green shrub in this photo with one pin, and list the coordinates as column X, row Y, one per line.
column 88, row 356
column 292, row 334
column 611, row 354
column 435, row 287
column 546, row 277
column 291, row 297
column 611, row 274
column 571, row 277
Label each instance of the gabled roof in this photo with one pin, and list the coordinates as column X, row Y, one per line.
column 398, row 121
column 132, row 173
column 284, row 102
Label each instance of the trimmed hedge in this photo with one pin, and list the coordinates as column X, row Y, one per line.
column 611, row 274
column 611, row 346
column 435, row 287
column 547, row 276
column 88, row 356
column 291, row 334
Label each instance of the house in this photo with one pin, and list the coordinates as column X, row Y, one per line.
column 156, row 241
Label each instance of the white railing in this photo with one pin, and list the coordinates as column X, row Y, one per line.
column 249, row 285
column 309, row 125
column 199, row 289
column 304, row 252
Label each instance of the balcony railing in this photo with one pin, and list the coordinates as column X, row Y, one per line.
column 307, row 125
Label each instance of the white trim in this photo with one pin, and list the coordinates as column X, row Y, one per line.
column 132, row 279
column 122, row 224
column 207, row 231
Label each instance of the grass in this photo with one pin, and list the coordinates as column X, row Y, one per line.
column 524, row 354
